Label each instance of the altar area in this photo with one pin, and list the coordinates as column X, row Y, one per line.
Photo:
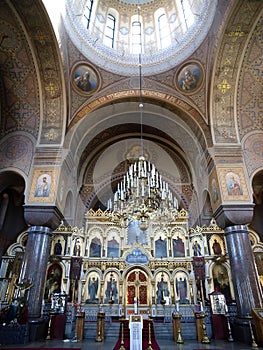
column 123, row 271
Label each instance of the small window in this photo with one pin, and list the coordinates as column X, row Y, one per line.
column 136, row 37
column 110, row 31
column 187, row 14
column 87, row 13
column 164, row 32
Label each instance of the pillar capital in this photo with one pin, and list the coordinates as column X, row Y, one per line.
column 43, row 215
column 234, row 214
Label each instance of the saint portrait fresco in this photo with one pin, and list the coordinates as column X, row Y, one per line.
column 161, row 248
column 93, row 289
column 111, row 288
column 189, row 77
column 85, row 79
column 234, row 187
column 95, row 248
column 178, row 247
column 163, row 289
column 43, row 186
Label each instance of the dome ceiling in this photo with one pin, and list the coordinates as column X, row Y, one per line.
column 170, row 32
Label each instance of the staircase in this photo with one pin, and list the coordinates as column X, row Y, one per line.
column 162, row 330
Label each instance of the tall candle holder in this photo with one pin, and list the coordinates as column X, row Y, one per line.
column 178, row 328
column 122, row 347
column 51, row 314
column 150, row 335
column 254, row 344
column 230, row 338
column 205, row 339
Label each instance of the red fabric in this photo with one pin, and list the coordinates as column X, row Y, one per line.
column 57, row 326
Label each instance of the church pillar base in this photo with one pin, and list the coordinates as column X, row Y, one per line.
column 241, row 330
column 38, row 329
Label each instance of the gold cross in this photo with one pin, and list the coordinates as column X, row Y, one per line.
column 224, row 86
column 52, row 89
column 51, row 135
column 42, row 38
column 236, row 34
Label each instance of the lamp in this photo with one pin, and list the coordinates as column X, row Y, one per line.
column 142, row 195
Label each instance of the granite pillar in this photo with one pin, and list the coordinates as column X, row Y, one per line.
column 244, row 275
column 35, row 266
column 247, row 288
column 246, row 284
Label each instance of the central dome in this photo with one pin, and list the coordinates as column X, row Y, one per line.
column 113, row 33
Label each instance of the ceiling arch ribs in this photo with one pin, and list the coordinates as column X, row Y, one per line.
column 52, row 89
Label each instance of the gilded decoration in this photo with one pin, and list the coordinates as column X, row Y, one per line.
column 230, row 53
column 159, row 285
column 249, row 98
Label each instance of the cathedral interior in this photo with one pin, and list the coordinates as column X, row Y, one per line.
column 131, row 165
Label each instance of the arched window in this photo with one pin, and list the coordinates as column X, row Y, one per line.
column 87, row 12
column 110, row 31
column 163, row 31
column 186, row 14
column 136, row 37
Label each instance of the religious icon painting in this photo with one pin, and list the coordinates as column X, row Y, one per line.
column 43, row 186
column 111, row 288
column 233, row 184
column 93, row 288
column 57, row 246
column 85, row 78
column 216, row 245
column 178, row 246
column 182, row 287
column 113, row 248
column 189, row 77
column 221, row 280
column 214, row 190
column 162, row 289
column 161, row 247
column 196, row 247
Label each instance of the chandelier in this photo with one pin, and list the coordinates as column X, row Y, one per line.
column 142, row 195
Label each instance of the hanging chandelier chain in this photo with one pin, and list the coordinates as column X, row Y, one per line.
column 140, row 82
column 142, row 195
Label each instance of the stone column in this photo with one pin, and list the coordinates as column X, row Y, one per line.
column 35, row 266
column 248, row 292
column 244, row 275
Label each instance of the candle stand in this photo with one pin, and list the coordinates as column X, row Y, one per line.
column 201, row 328
column 230, row 337
column 177, row 328
column 100, row 327
column 122, row 347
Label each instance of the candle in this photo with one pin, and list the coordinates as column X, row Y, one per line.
column 201, row 306
column 226, row 308
column 177, row 306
